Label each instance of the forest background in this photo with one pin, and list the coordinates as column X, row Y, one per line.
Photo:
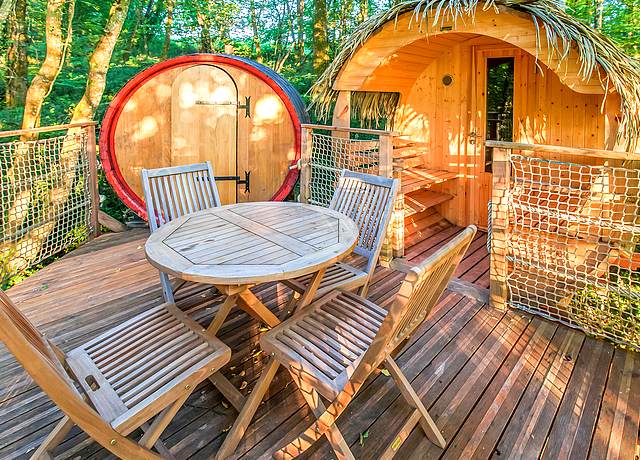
column 64, row 60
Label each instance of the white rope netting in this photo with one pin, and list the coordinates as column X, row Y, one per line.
column 573, row 239
column 330, row 155
column 46, row 199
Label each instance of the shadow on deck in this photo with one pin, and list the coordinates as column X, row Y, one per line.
column 498, row 384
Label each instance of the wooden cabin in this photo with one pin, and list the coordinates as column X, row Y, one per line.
column 449, row 80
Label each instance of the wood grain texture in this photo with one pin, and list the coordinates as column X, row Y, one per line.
column 251, row 243
column 451, row 360
column 264, row 143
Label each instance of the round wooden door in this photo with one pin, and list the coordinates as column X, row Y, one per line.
column 204, row 111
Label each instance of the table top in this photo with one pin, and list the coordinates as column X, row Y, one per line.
column 250, row 243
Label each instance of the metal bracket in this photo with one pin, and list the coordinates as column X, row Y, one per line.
column 246, row 106
column 246, row 181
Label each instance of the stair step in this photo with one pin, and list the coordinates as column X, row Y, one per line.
column 422, row 200
column 420, row 178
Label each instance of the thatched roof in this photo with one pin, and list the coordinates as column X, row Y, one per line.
column 562, row 31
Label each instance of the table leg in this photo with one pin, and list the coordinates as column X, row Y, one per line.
column 234, row 436
column 312, row 288
column 248, row 301
column 222, row 314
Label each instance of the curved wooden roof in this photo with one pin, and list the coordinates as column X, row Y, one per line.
column 584, row 60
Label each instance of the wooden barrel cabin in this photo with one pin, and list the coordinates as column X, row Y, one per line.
column 232, row 111
column 448, row 76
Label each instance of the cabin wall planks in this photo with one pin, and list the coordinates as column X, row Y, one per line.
column 440, row 118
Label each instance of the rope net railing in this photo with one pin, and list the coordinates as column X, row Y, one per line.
column 573, row 245
column 46, row 197
column 330, row 155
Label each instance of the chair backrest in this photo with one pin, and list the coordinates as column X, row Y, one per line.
column 369, row 201
column 38, row 357
column 419, row 292
column 173, row 192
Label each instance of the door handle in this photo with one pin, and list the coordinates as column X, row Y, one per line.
column 473, row 135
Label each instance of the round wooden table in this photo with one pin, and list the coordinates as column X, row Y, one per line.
column 237, row 246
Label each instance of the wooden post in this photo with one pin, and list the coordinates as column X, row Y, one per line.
column 93, row 178
column 342, row 113
column 385, row 168
column 305, row 164
column 498, row 292
column 394, row 243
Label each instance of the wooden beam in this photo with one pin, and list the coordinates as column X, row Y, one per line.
column 46, row 129
column 111, row 223
column 498, row 291
column 595, row 153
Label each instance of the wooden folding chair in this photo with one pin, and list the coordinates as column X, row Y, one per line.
column 334, row 344
column 173, row 192
column 369, row 201
column 142, row 369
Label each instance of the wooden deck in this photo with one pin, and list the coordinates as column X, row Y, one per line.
column 499, row 385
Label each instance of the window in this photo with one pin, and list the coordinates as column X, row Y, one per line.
column 499, row 111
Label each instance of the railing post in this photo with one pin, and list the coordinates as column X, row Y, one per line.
column 394, row 243
column 93, row 178
column 498, row 292
column 305, row 164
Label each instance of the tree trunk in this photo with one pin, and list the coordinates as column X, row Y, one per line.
column 167, row 29
column 134, row 34
column 43, row 81
column 205, row 32
column 300, row 12
column 320, row 41
column 99, row 63
column 364, row 10
column 17, row 206
column 6, row 7
column 17, row 57
column 598, row 16
column 254, row 26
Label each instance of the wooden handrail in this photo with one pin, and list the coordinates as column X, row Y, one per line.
column 376, row 132
column 596, row 153
column 46, row 129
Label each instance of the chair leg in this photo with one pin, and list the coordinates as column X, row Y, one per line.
column 152, row 434
column 335, row 438
column 167, row 289
column 234, row 436
column 179, row 284
column 362, row 292
column 54, row 438
column 409, row 394
column 291, row 304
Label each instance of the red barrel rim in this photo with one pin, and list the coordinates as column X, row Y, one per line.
column 112, row 115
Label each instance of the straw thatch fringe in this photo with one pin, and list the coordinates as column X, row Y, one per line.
column 561, row 30
column 369, row 107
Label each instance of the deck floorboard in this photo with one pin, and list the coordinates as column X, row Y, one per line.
column 498, row 384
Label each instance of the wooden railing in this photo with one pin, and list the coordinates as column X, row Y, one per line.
column 565, row 232
column 49, row 192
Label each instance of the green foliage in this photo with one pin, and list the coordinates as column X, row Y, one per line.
column 209, row 25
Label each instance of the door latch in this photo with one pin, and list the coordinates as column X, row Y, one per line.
column 246, row 181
